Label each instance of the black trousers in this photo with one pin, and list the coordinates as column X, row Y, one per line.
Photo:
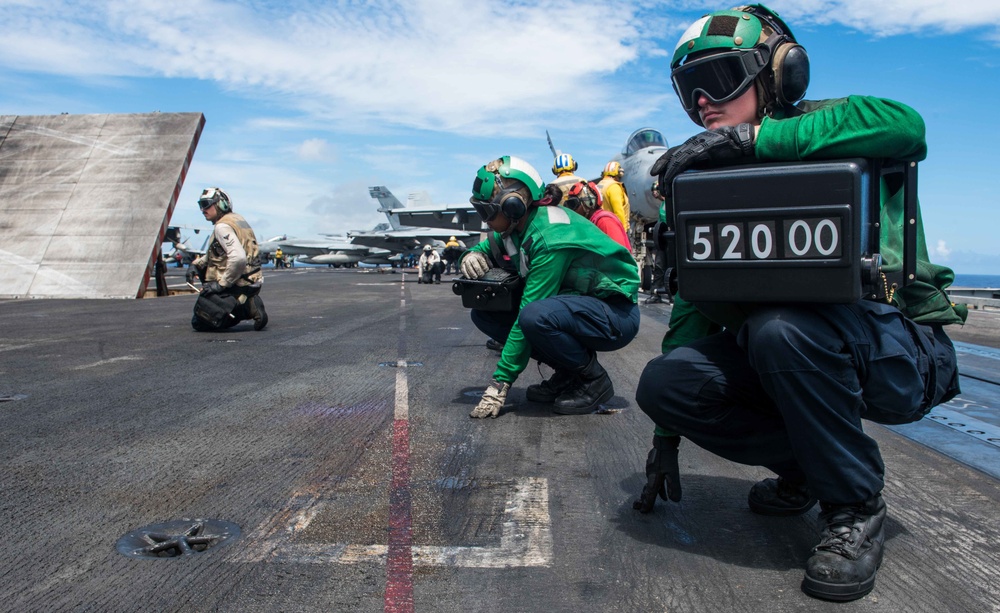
column 790, row 389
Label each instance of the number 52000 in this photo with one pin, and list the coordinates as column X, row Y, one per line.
column 788, row 239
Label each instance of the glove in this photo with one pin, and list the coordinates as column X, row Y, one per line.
column 192, row 274
column 493, row 399
column 211, row 287
column 663, row 475
column 718, row 145
column 474, row 265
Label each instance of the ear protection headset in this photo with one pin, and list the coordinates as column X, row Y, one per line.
column 512, row 204
column 564, row 162
column 217, row 197
column 789, row 61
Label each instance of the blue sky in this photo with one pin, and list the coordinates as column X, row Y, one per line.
column 308, row 103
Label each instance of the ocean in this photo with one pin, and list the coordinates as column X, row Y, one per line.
column 991, row 281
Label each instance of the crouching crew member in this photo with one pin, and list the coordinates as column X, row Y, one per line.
column 229, row 270
column 580, row 291
column 786, row 386
column 430, row 266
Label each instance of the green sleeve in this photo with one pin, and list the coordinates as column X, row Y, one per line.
column 543, row 281
column 482, row 246
column 856, row 126
column 686, row 324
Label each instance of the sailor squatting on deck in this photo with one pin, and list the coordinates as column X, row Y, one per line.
column 787, row 386
column 580, row 297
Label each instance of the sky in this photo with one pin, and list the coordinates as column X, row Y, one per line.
column 308, row 103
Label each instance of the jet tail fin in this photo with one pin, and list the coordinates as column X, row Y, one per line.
column 552, row 148
column 385, row 198
column 387, row 203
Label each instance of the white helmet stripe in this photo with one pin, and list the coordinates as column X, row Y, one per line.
column 693, row 32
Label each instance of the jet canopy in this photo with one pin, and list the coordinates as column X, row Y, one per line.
column 643, row 138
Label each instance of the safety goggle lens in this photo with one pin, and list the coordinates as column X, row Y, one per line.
column 719, row 77
column 487, row 210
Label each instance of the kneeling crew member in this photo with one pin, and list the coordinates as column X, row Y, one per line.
column 580, row 294
column 230, row 267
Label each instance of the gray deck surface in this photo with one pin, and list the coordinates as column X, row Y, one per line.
column 121, row 416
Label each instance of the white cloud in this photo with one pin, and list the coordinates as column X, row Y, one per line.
column 893, row 17
column 942, row 250
column 434, row 64
column 445, row 65
column 314, row 149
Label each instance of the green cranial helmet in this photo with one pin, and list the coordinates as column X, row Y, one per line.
column 722, row 54
column 732, row 29
column 492, row 178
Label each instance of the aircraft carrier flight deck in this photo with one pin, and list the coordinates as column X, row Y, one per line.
column 328, row 463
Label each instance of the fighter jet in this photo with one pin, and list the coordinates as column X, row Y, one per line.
column 420, row 212
column 180, row 253
column 641, row 151
column 328, row 249
column 404, row 239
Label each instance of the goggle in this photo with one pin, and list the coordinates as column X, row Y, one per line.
column 207, row 202
column 719, row 77
column 488, row 211
column 576, row 196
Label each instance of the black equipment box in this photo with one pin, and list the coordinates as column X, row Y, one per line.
column 783, row 232
column 497, row 290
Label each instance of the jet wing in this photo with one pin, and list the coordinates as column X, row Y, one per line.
column 409, row 239
column 451, row 216
column 313, row 246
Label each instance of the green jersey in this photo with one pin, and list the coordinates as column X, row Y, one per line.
column 856, row 126
column 558, row 253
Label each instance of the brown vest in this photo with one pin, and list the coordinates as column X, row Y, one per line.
column 216, row 255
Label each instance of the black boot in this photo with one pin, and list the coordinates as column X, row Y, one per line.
column 551, row 388
column 258, row 313
column 779, row 497
column 594, row 388
column 844, row 564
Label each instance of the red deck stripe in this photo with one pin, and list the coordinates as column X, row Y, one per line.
column 399, row 560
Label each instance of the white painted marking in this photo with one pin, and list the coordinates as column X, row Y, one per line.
column 402, row 392
column 124, row 358
column 525, row 538
column 14, row 347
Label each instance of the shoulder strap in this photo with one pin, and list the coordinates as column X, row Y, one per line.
column 498, row 253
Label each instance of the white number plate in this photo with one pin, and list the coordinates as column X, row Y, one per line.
column 812, row 238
